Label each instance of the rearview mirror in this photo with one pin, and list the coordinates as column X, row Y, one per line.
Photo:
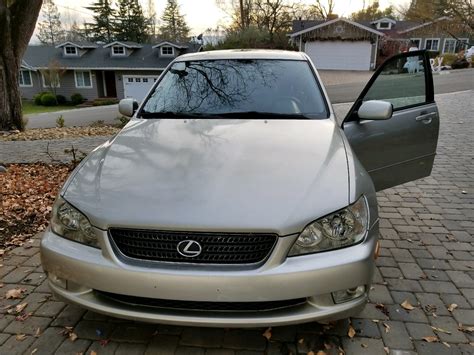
column 375, row 110
column 127, row 107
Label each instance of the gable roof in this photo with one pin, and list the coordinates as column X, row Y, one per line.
column 127, row 44
column 327, row 23
column 24, row 65
column 171, row 44
column 384, row 19
column 143, row 58
column 444, row 18
column 79, row 44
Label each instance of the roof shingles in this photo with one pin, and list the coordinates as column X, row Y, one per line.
column 100, row 58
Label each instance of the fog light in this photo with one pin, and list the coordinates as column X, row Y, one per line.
column 57, row 281
column 348, row 294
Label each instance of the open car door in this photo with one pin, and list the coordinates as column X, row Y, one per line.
column 396, row 143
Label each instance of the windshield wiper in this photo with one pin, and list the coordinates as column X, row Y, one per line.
column 241, row 114
column 266, row 115
column 172, row 114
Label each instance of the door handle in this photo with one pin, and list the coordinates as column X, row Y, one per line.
column 426, row 118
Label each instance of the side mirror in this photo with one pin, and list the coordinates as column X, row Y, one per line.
column 127, row 107
column 375, row 110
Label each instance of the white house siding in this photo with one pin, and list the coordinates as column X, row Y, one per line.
column 340, row 55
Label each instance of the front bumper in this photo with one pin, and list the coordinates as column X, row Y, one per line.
column 79, row 273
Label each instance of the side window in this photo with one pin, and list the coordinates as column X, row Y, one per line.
column 401, row 82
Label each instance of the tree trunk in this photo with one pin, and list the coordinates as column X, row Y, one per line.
column 17, row 23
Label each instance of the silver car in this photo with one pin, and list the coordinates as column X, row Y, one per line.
column 233, row 198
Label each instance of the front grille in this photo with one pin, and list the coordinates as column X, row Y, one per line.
column 204, row 306
column 217, row 248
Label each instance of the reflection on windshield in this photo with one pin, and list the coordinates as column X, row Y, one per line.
column 213, row 87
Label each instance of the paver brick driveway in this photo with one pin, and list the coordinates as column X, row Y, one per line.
column 427, row 259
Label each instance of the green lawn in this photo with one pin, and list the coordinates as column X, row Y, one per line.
column 30, row 108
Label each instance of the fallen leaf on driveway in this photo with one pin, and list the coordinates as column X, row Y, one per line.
column 364, row 345
column 104, row 342
column 21, row 307
column 405, row 304
column 20, row 337
column 93, row 352
column 72, row 336
column 466, row 329
column 387, row 327
column 351, row 332
column 268, row 333
column 430, row 339
column 14, row 293
column 37, row 332
column 452, row 307
column 446, row 344
column 440, row 330
column 23, row 317
column 320, row 352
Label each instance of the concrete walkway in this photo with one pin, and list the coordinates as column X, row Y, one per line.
column 427, row 259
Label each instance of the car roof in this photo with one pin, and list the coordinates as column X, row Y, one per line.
column 243, row 54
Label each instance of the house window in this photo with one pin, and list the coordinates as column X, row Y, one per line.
column 137, row 80
column 24, row 78
column 432, row 44
column 51, row 80
column 130, row 80
column 167, row 50
column 449, row 45
column 462, row 44
column 145, row 80
column 417, row 42
column 118, row 50
column 70, row 50
column 83, row 79
column 384, row 25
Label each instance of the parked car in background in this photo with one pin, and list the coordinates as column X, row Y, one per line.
column 233, row 197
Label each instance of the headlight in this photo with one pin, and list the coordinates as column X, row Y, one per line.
column 340, row 229
column 69, row 223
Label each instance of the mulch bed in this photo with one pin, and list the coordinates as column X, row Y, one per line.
column 27, row 194
column 59, row 133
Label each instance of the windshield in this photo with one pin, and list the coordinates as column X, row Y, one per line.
column 257, row 87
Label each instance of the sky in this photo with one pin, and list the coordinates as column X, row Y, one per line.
column 204, row 14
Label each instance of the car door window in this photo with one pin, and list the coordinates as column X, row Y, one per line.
column 401, row 82
column 401, row 148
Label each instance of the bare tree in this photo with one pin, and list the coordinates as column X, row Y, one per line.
column 324, row 11
column 52, row 75
column 17, row 23
column 462, row 11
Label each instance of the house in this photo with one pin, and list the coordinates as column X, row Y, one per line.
column 117, row 70
column 342, row 44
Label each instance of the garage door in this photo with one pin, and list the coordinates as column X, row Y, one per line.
column 135, row 86
column 340, row 55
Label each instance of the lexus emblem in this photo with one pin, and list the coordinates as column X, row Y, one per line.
column 189, row 248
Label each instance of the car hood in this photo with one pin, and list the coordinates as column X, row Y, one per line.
column 214, row 175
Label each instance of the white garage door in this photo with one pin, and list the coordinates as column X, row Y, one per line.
column 340, row 55
column 137, row 86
